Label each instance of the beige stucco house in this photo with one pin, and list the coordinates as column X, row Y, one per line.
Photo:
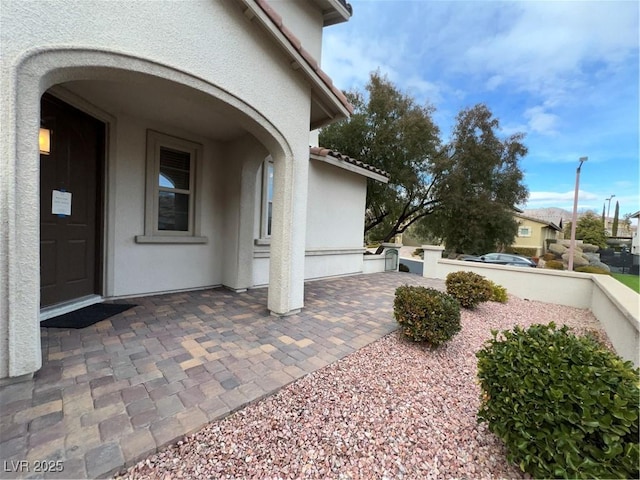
column 153, row 147
column 533, row 233
column 635, row 241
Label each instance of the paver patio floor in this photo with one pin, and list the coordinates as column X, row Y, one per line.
column 112, row 393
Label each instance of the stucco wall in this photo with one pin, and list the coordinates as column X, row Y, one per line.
column 335, row 224
column 614, row 305
column 373, row 264
column 335, row 211
column 207, row 46
column 305, row 20
column 535, row 240
column 199, row 32
column 562, row 288
column 146, row 268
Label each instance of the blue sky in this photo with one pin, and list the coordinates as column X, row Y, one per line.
column 564, row 73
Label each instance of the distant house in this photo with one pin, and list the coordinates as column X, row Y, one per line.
column 533, row 233
column 149, row 149
column 635, row 241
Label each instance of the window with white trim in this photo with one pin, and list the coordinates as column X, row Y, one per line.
column 267, row 199
column 524, row 231
column 171, row 201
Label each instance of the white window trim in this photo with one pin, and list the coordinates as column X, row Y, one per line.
column 520, row 229
column 155, row 141
column 265, row 235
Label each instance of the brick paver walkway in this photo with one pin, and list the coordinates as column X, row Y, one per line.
column 113, row 393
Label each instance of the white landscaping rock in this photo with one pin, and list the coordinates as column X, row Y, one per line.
column 578, row 260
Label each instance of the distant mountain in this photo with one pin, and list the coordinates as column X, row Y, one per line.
column 554, row 214
column 550, row 214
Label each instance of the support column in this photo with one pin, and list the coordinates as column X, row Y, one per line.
column 20, row 350
column 288, row 232
column 432, row 254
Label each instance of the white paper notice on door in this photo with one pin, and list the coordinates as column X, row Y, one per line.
column 60, row 203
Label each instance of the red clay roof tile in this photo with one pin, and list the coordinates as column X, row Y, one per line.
column 312, row 62
column 295, row 41
column 324, row 152
column 273, row 15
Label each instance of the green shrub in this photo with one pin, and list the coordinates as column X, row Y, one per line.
column 498, row 293
column 468, row 288
column 554, row 265
column 426, row 314
column 548, row 256
column 418, row 252
column 565, row 406
column 592, row 269
column 403, row 268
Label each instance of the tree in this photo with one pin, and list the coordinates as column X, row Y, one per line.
column 603, row 222
column 589, row 229
column 388, row 130
column 480, row 183
column 616, row 215
column 626, row 222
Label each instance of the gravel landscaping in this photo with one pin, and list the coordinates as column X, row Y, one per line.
column 393, row 409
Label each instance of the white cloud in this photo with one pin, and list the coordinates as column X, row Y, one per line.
column 563, row 72
column 420, row 88
column 494, row 82
column 349, row 62
column 561, row 196
column 587, row 200
column 540, row 121
column 549, row 44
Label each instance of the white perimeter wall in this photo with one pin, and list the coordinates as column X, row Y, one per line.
column 615, row 305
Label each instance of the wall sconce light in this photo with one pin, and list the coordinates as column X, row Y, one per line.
column 44, row 140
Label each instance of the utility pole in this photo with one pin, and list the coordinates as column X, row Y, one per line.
column 609, row 206
column 572, row 245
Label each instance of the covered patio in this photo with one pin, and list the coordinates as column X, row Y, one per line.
column 117, row 391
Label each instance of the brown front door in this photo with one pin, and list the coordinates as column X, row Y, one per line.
column 70, row 244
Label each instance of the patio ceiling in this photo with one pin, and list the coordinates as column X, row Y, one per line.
column 163, row 102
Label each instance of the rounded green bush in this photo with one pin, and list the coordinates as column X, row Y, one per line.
column 554, row 265
column 498, row 293
column 468, row 288
column 426, row 315
column 565, row 406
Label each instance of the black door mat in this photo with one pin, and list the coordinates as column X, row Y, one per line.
column 86, row 316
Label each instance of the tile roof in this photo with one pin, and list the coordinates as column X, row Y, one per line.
column 297, row 44
column 539, row 220
column 324, row 152
column 347, row 5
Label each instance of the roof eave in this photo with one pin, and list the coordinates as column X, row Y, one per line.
column 541, row 222
column 334, row 11
column 350, row 167
column 331, row 104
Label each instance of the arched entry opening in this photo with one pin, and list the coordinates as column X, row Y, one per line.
column 130, row 103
